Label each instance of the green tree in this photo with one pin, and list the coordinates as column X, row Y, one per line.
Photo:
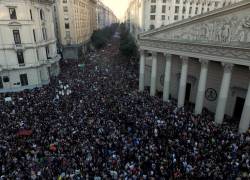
column 102, row 36
column 127, row 44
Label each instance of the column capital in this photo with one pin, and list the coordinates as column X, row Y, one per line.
column 227, row 67
column 184, row 58
column 167, row 54
column 204, row 62
column 154, row 53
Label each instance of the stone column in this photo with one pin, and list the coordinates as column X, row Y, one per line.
column 142, row 71
column 153, row 74
column 166, row 88
column 183, row 82
column 201, row 87
column 222, row 100
column 245, row 117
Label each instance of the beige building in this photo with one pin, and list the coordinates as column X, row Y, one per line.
column 75, row 23
column 204, row 60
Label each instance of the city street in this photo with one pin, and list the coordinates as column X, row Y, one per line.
column 91, row 123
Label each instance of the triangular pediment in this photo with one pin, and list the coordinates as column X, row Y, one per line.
column 228, row 26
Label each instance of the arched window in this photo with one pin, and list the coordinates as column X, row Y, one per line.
column 152, row 26
column 41, row 14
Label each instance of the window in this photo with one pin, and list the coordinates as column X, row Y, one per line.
column 216, row 4
column 190, row 10
column 177, row 2
column 1, row 83
column 152, row 26
column 163, row 9
column 41, row 14
column 64, row 1
column 24, row 79
column 65, row 8
column 176, row 17
column 17, row 37
column 152, row 17
column 163, row 1
column 44, row 34
column 12, row 12
column 176, row 9
column 153, row 1
column 6, row 79
column 31, row 17
column 66, row 25
column 163, row 17
column 47, row 52
column 184, row 10
column 196, row 10
column 20, row 57
column 153, row 9
column 34, row 35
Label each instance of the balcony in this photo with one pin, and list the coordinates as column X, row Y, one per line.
column 19, row 47
column 18, row 66
column 54, row 59
column 46, row 1
column 50, row 60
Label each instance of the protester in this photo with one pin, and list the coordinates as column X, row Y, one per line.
column 104, row 129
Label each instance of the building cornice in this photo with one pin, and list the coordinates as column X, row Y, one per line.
column 240, row 56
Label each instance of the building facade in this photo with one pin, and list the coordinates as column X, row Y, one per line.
column 105, row 16
column 28, row 52
column 203, row 60
column 144, row 15
column 75, row 23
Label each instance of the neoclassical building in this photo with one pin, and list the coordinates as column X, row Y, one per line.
column 204, row 60
column 143, row 15
column 28, row 52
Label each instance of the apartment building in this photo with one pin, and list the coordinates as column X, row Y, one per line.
column 144, row 15
column 75, row 23
column 28, row 52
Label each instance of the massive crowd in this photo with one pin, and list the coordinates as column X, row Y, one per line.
column 105, row 129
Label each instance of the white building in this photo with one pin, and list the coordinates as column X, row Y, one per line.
column 105, row 16
column 203, row 60
column 143, row 15
column 28, row 52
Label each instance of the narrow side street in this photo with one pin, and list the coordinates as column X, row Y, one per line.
column 92, row 123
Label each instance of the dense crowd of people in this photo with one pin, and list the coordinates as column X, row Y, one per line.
column 105, row 129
